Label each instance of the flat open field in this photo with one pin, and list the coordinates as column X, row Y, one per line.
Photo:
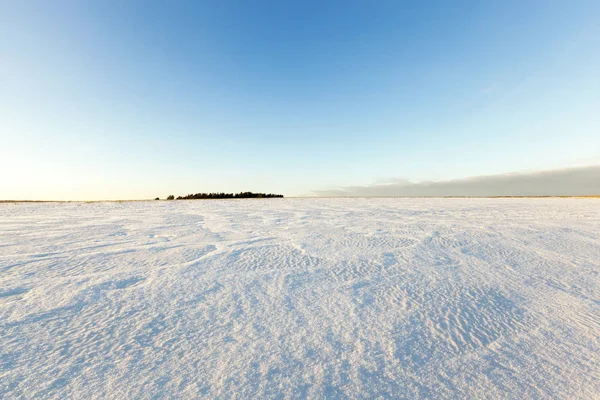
column 301, row 298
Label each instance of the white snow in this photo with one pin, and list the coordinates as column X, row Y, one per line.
column 301, row 298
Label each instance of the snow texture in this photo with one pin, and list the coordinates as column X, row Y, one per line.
column 301, row 298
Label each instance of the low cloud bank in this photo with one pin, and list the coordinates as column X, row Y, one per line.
column 581, row 181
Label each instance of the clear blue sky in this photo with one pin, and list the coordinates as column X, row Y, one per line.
column 138, row 99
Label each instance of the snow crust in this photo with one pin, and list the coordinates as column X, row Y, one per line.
column 301, row 298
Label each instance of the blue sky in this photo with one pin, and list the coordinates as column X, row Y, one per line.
column 126, row 99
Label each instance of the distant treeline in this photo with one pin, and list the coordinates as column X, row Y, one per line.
column 241, row 195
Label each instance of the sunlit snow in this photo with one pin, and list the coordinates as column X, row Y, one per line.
column 301, row 298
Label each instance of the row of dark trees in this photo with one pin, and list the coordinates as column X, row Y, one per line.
column 240, row 195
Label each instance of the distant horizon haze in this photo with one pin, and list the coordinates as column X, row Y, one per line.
column 569, row 182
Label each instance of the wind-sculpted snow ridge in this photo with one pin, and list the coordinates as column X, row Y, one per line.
column 301, row 298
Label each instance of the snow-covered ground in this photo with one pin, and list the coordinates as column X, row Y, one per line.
column 301, row 298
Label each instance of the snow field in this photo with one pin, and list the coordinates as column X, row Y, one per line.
column 301, row 298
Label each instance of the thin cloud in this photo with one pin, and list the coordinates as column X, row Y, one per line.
column 491, row 88
column 582, row 181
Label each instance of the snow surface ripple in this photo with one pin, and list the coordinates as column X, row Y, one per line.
column 301, row 298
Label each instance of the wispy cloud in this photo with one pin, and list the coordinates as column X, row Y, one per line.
column 491, row 88
column 565, row 182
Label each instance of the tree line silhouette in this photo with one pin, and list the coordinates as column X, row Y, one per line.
column 240, row 195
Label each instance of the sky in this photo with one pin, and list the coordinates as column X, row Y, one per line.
column 139, row 99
